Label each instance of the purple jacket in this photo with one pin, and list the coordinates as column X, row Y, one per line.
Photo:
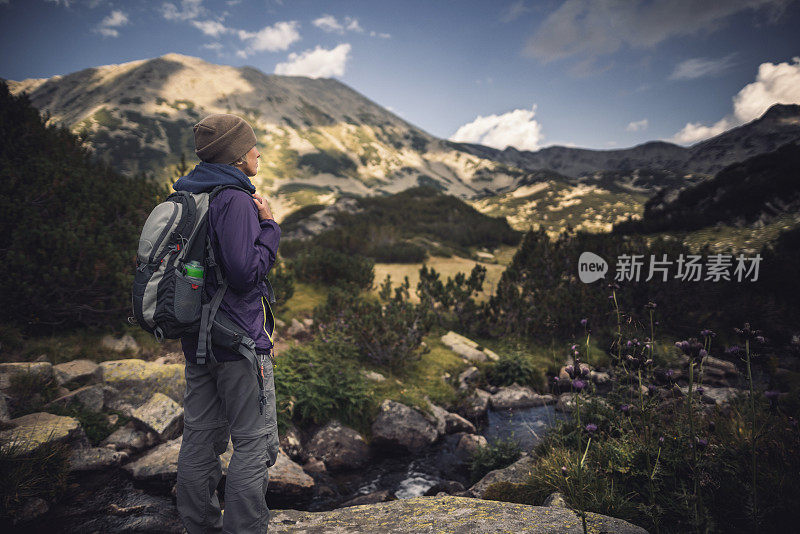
column 245, row 249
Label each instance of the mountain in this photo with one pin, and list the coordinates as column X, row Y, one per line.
column 320, row 138
column 779, row 125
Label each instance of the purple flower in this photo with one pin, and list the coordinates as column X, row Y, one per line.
column 670, row 373
column 570, row 370
column 591, row 428
column 564, row 470
column 578, row 384
column 625, row 408
column 702, row 443
column 584, row 321
column 707, row 333
column 629, row 343
column 661, row 439
column 574, row 347
column 700, row 390
column 650, row 305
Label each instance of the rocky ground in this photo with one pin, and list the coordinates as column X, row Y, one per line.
column 127, row 481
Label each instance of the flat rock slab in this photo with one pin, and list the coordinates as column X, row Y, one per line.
column 159, row 466
column 78, row 373
column 288, row 481
column 36, row 429
column 130, row 437
column 162, row 415
column 137, row 380
column 95, row 459
column 445, row 515
column 41, row 370
column 90, row 398
column 339, row 447
column 468, row 349
column 516, row 473
column 516, row 396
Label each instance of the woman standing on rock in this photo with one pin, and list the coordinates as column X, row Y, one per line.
column 224, row 398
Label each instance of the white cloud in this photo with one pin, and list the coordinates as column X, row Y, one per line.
column 514, row 11
column 108, row 25
column 381, row 35
column 212, row 46
column 189, row 10
column 316, row 63
column 700, row 67
column 516, row 128
column 592, row 28
column 210, row 27
column 279, row 36
column 328, row 23
column 774, row 84
column 635, row 126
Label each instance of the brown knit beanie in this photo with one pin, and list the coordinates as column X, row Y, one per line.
column 223, row 138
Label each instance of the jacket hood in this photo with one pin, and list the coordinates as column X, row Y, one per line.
column 206, row 176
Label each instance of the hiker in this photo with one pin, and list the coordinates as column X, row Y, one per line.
column 223, row 398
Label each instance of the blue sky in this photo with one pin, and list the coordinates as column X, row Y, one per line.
column 589, row 73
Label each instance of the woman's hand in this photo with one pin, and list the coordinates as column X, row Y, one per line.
column 263, row 207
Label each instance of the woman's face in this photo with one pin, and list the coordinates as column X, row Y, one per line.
column 250, row 167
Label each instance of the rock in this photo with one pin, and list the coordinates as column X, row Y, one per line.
column 447, row 487
column 437, row 416
column 445, row 515
column 455, row 423
column 467, row 377
column 556, row 499
column 476, row 405
column 297, row 330
column 171, row 357
column 291, row 443
column 36, row 429
column 158, row 467
column 33, row 508
column 314, row 465
column 467, row 349
column 399, row 426
column 468, row 445
column 90, row 398
column 340, row 447
column 162, row 415
column 112, row 419
column 372, row 375
column 131, row 438
column 124, row 344
column 516, row 396
column 516, row 473
column 566, row 402
column 288, row 481
column 40, row 370
column 137, row 380
column 95, row 459
column 714, row 395
column 369, row 498
column 279, row 324
column 5, row 413
column 77, row 373
column 599, row 378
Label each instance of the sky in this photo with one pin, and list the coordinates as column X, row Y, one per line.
column 598, row 74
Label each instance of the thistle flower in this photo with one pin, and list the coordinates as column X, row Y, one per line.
column 700, row 389
column 661, row 439
column 693, row 349
column 748, row 332
column 625, row 408
column 613, row 285
column 578, row 384
column 701, row 443
column 707, row 333
column 650, row 305
column 584, row 321
column 670, row 373
column 591, row 428
column 564, row 470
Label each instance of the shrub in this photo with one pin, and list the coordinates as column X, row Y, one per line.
column 319, row 382
column 282, row 280
column 330, row 267
column 514, row 368
column 497, row 454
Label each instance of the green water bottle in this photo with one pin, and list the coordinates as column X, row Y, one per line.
column 194, row 270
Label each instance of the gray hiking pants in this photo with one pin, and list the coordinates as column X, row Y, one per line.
column 222, row 403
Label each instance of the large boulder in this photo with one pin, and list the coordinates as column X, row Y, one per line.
column 445, row 515
column 131, row 438
column 468, row 377
column 95, row 459
column 159, row 466
column 516, row 396
column 34, row 430
column 516, row 473
column 91, row 398
column 77, row 373
column 124, row 344
column 468, row 349
column 398, row 426
column 288, row 482
column 137, row 380
column 162, row 415
column 340, row 447
column 476, row 405
column 39, row 370
column 468, row 445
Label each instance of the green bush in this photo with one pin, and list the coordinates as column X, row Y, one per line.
column 517, row 368
column 282, row 280
column 330, row 162
column 330, row 267
column 319, row 382
column 69, row 226
column 497, row 454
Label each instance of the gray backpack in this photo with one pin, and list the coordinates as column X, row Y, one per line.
column 167, row 301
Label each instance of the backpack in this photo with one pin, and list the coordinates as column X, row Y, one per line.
column 167, row 301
